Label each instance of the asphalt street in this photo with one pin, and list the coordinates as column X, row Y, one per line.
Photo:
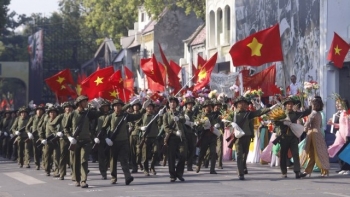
column 262, row 180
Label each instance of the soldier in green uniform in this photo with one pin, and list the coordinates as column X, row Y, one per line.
column 191, row 137
column 134, row 140
column 13, row 148
column 18, row 129
column 100, row 139
column 5, row 128
column 79, row 135
column 49, row 147
column 208, row 122
column 150, row 144
column 32, row 128
column 120, row 146
column 175, row 139
column 287, row 139
column 243, row 118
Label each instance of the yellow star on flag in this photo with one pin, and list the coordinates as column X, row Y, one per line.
column 63, row 87
column 337, row 50
column 98, row 80
column 152, row 72
column 60, row 79
column 202, row 74
column 120, row 80
column 114, row 94
column 78, row 89
column 255, row 46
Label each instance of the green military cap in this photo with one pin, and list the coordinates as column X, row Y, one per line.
column 117, row 101
column 80, row 98
column 41, row 106
column 207, row 102
column 7, row 111
column 217, row 102
column 23, row 109
column 189, row 100
column 67, row 104
column 105, row 103
column 241, row 99
column 288, row 100
column 52, row 108
column 138, row 103
column 174, row 99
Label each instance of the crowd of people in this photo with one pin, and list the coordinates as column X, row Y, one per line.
column 180, row 132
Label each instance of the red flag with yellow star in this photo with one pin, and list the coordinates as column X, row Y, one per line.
column 337, row 52
column 78, row 88
column 150, row 68
column 203, row 75
column 60, row 79
column 128, row 73
column 116, row 79
column 97, row 82
column 259, row 48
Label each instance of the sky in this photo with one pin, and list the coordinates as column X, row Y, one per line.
column 33, row 6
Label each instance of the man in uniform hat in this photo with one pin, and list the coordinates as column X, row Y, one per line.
column 5, row 128
column 79, row 135
column 18, row 129
column 150, row 143
column 287, row 138
column 134, row 140
column 191, row 137
column 49, row 146
column 33, row 126
column 175, row 139
column 100, row 140
column 242, row 117
column 120, row 146
column 208, row 122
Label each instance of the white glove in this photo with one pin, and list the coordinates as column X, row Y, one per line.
column 17, row 133
column 11, row 135
column 44, row 142
column 207, row 124
column 187, row 118
column 287, row 123
column 234, row 125
column 6, row 134
column 97, row 141
column 109, row 142
column 161, row 112
column 196, row 123
column 224, row 120
column 146, row 103
column 134, row 101
column 72, row 140
column 30, row 136
column 179, row 133
column 59, row 134
column 143, row 128
column 189, row 123
column 217, row 125
column 273, row 106
column 175, row 118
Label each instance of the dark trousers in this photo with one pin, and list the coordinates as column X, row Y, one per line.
column 219, row 149
column 80, row 160
column 64, row 156
column 149, row 150
column 208, row 142
column 289, row 142
column 191, row 146
column 134, row 152
column 102, row 158
column 242, row 150
column 176, row 148
column 120, row 150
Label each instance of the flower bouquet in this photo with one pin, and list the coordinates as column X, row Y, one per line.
column 277, row 114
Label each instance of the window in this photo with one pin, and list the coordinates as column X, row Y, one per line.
column 211, row 29
column 142, row 17
column 219, row 23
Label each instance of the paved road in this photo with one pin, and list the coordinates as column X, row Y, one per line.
column 261, row 181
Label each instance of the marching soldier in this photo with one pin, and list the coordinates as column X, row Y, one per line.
column 208, row 138
column 134, row 140
column 287, row 138
column 191, row 137
column 150, row 142
column 49, row 146
column 100, row 140
column 5, row 128
column 79, row 136
column 18, row 129
column 34, row 124
column 120, row 146
column 175, row 139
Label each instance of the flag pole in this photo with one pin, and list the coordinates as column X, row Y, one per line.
column 123, row 85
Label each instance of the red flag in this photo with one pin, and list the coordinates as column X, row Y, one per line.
column 259, row 48
column 154, row 86
column 162, row 70
column 129, row 84
column 337, row 52
column 200, row 61
column 65, row 91
column 172, row 70
column 205, row 72
column 116, row 79
column 264, row 80
column 128, row 73
column 175, row 67
column 113, row 93
column 151, row 69
column 275, row 89
column 97, row 81
column 60, row 79
column 155, row 96
column 78, row 88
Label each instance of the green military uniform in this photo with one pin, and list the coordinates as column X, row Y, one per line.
column 288, row 140
column 33, row 126
column 243, row 119
column 23, row 151
column 5, row 128
column 190, row 134
column 134, row 142
column 49, row 158
column 177, row 146
column 150, row 144
column 120, row 149
column 208, row 139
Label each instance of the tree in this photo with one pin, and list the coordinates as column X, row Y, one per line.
column 3, row 12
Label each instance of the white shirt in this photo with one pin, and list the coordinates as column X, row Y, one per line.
column 294, row 88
